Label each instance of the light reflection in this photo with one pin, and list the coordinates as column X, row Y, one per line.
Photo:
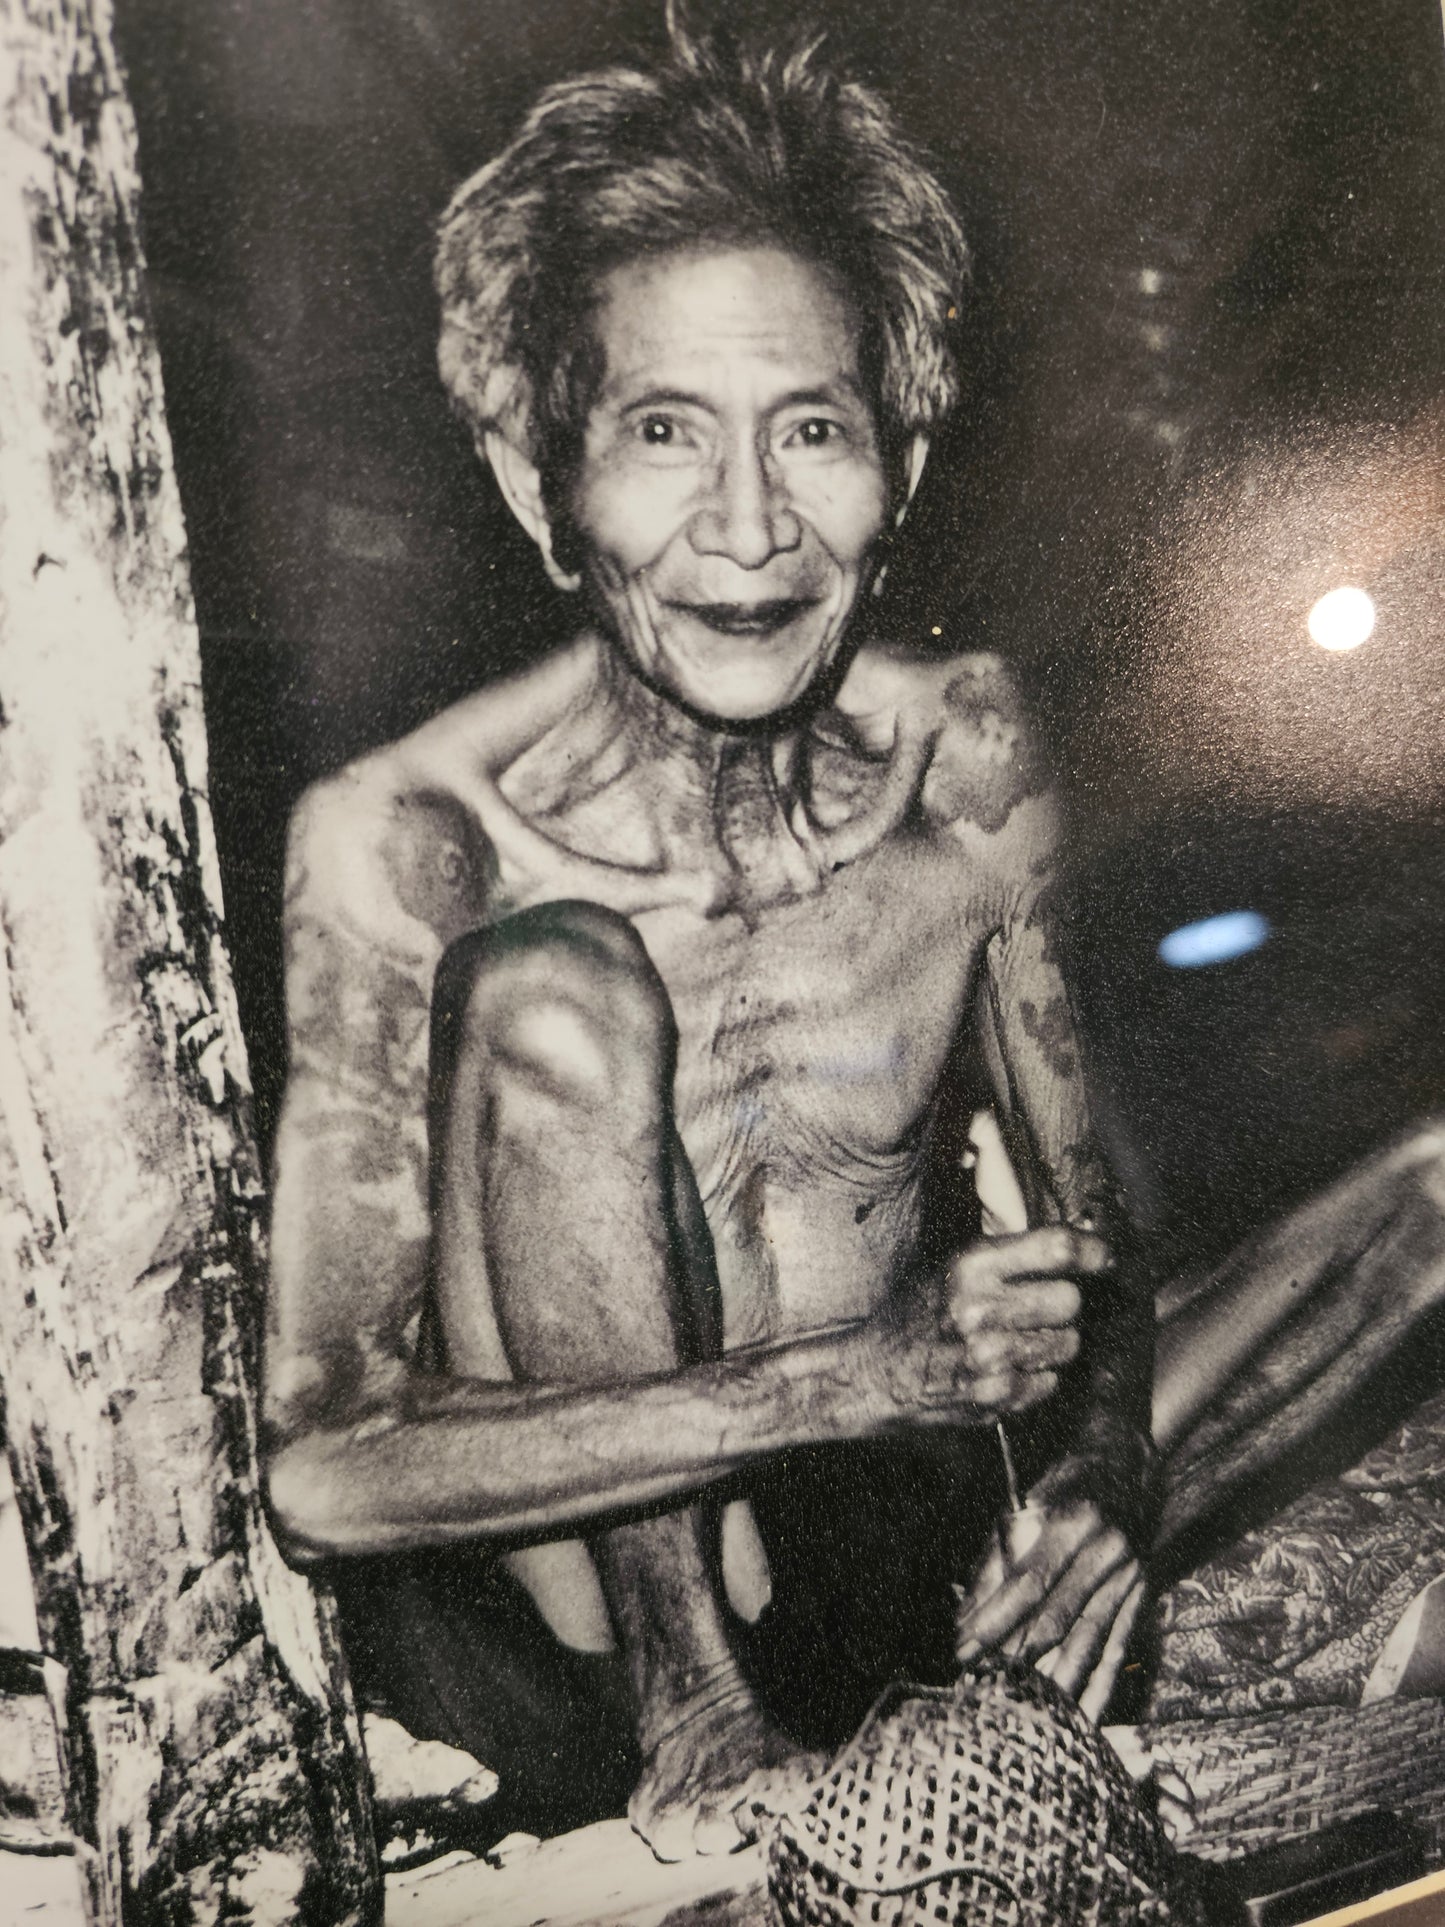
column 1343, row 619
column 1234, row 933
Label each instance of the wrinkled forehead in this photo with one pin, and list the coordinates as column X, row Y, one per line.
column 758, row 313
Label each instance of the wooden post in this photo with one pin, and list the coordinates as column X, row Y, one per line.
column 211, row 1762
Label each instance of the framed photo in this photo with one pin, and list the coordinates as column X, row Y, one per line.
column 1041, row 724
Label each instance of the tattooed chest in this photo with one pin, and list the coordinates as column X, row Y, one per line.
column 818, row 1045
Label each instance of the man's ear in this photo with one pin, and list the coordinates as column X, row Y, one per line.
column 521, row 485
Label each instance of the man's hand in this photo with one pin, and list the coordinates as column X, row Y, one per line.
column 986, row 1337
column 1067, row 1600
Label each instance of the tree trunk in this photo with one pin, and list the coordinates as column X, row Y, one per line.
column 210, row 1757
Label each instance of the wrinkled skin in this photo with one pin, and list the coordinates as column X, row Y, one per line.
column 710, row 981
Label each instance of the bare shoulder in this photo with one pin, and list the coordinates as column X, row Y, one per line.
column 392, row 864
column 989, row 779
column 990, row 770
column 395, row 848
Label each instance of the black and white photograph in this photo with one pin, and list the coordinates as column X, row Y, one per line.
column 722, row 1056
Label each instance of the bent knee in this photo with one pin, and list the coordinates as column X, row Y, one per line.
column 559, row 1046
column 590, row 929
column 608, row 1045
column 564, row 996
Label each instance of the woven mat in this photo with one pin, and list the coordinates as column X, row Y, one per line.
column 1257, row 1781
column 1265, row 1650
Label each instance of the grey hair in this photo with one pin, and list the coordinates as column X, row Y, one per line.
column 719, row 144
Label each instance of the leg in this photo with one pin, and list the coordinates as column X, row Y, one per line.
column 571, row 1248
column 449, row 1643
column 1256, row 1357
column 867, row 1542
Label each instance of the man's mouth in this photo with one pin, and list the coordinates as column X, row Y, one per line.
column 747, row 618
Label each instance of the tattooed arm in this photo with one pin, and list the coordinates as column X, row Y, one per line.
column 1030, row 1043
column 1098, row 1498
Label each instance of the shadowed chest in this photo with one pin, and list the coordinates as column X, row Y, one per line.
column 817, row 1032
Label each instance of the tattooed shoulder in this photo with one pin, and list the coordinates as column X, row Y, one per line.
column 406, row 865
column 987, row 759
column 380, row 879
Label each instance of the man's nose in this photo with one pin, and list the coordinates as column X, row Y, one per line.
column 746, row 516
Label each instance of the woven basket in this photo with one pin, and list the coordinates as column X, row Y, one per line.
column 1263, row 1779
column 994, row 1803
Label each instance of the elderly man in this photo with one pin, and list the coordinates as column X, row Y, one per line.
column 624, row 1000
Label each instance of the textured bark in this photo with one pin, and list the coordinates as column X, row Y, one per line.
column 210, row 1758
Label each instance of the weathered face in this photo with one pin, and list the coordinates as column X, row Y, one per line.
column 731, row 486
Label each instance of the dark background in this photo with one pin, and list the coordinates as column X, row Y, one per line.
column 1205, row 385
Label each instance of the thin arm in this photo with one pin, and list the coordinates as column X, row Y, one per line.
column 1031, row 1043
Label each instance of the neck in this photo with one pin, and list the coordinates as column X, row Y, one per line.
column 712, row 794
column 694, row 756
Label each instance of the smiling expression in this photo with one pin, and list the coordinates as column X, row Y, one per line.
column 731, row 487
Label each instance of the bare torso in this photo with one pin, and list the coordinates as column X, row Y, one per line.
column 810, row 1048
column 819, row 971
column 826, row 913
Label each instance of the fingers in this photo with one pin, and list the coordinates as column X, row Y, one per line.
column 1173, row 1797
column 1005, row 1347
column 1021, row 1351
column 1099, row 1691
column 1021, row 1307
column 1014, row 1314
column 1081, row 1656
column 1135, row 1755
column 1050, row 1252
column 1176, row 1806
column 975, row 1303
column 1023, row 1283
column 1000, row 1394
column 1101, row 1555
column 1070, row 1602
column 949, row 1392
column 990, row 1620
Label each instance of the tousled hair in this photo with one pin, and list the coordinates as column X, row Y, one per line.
column 722, row 143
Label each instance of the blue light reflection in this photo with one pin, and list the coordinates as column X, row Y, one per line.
column 1214, row 939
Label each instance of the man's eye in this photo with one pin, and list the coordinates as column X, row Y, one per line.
column 657, row 431
column 818, row 432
